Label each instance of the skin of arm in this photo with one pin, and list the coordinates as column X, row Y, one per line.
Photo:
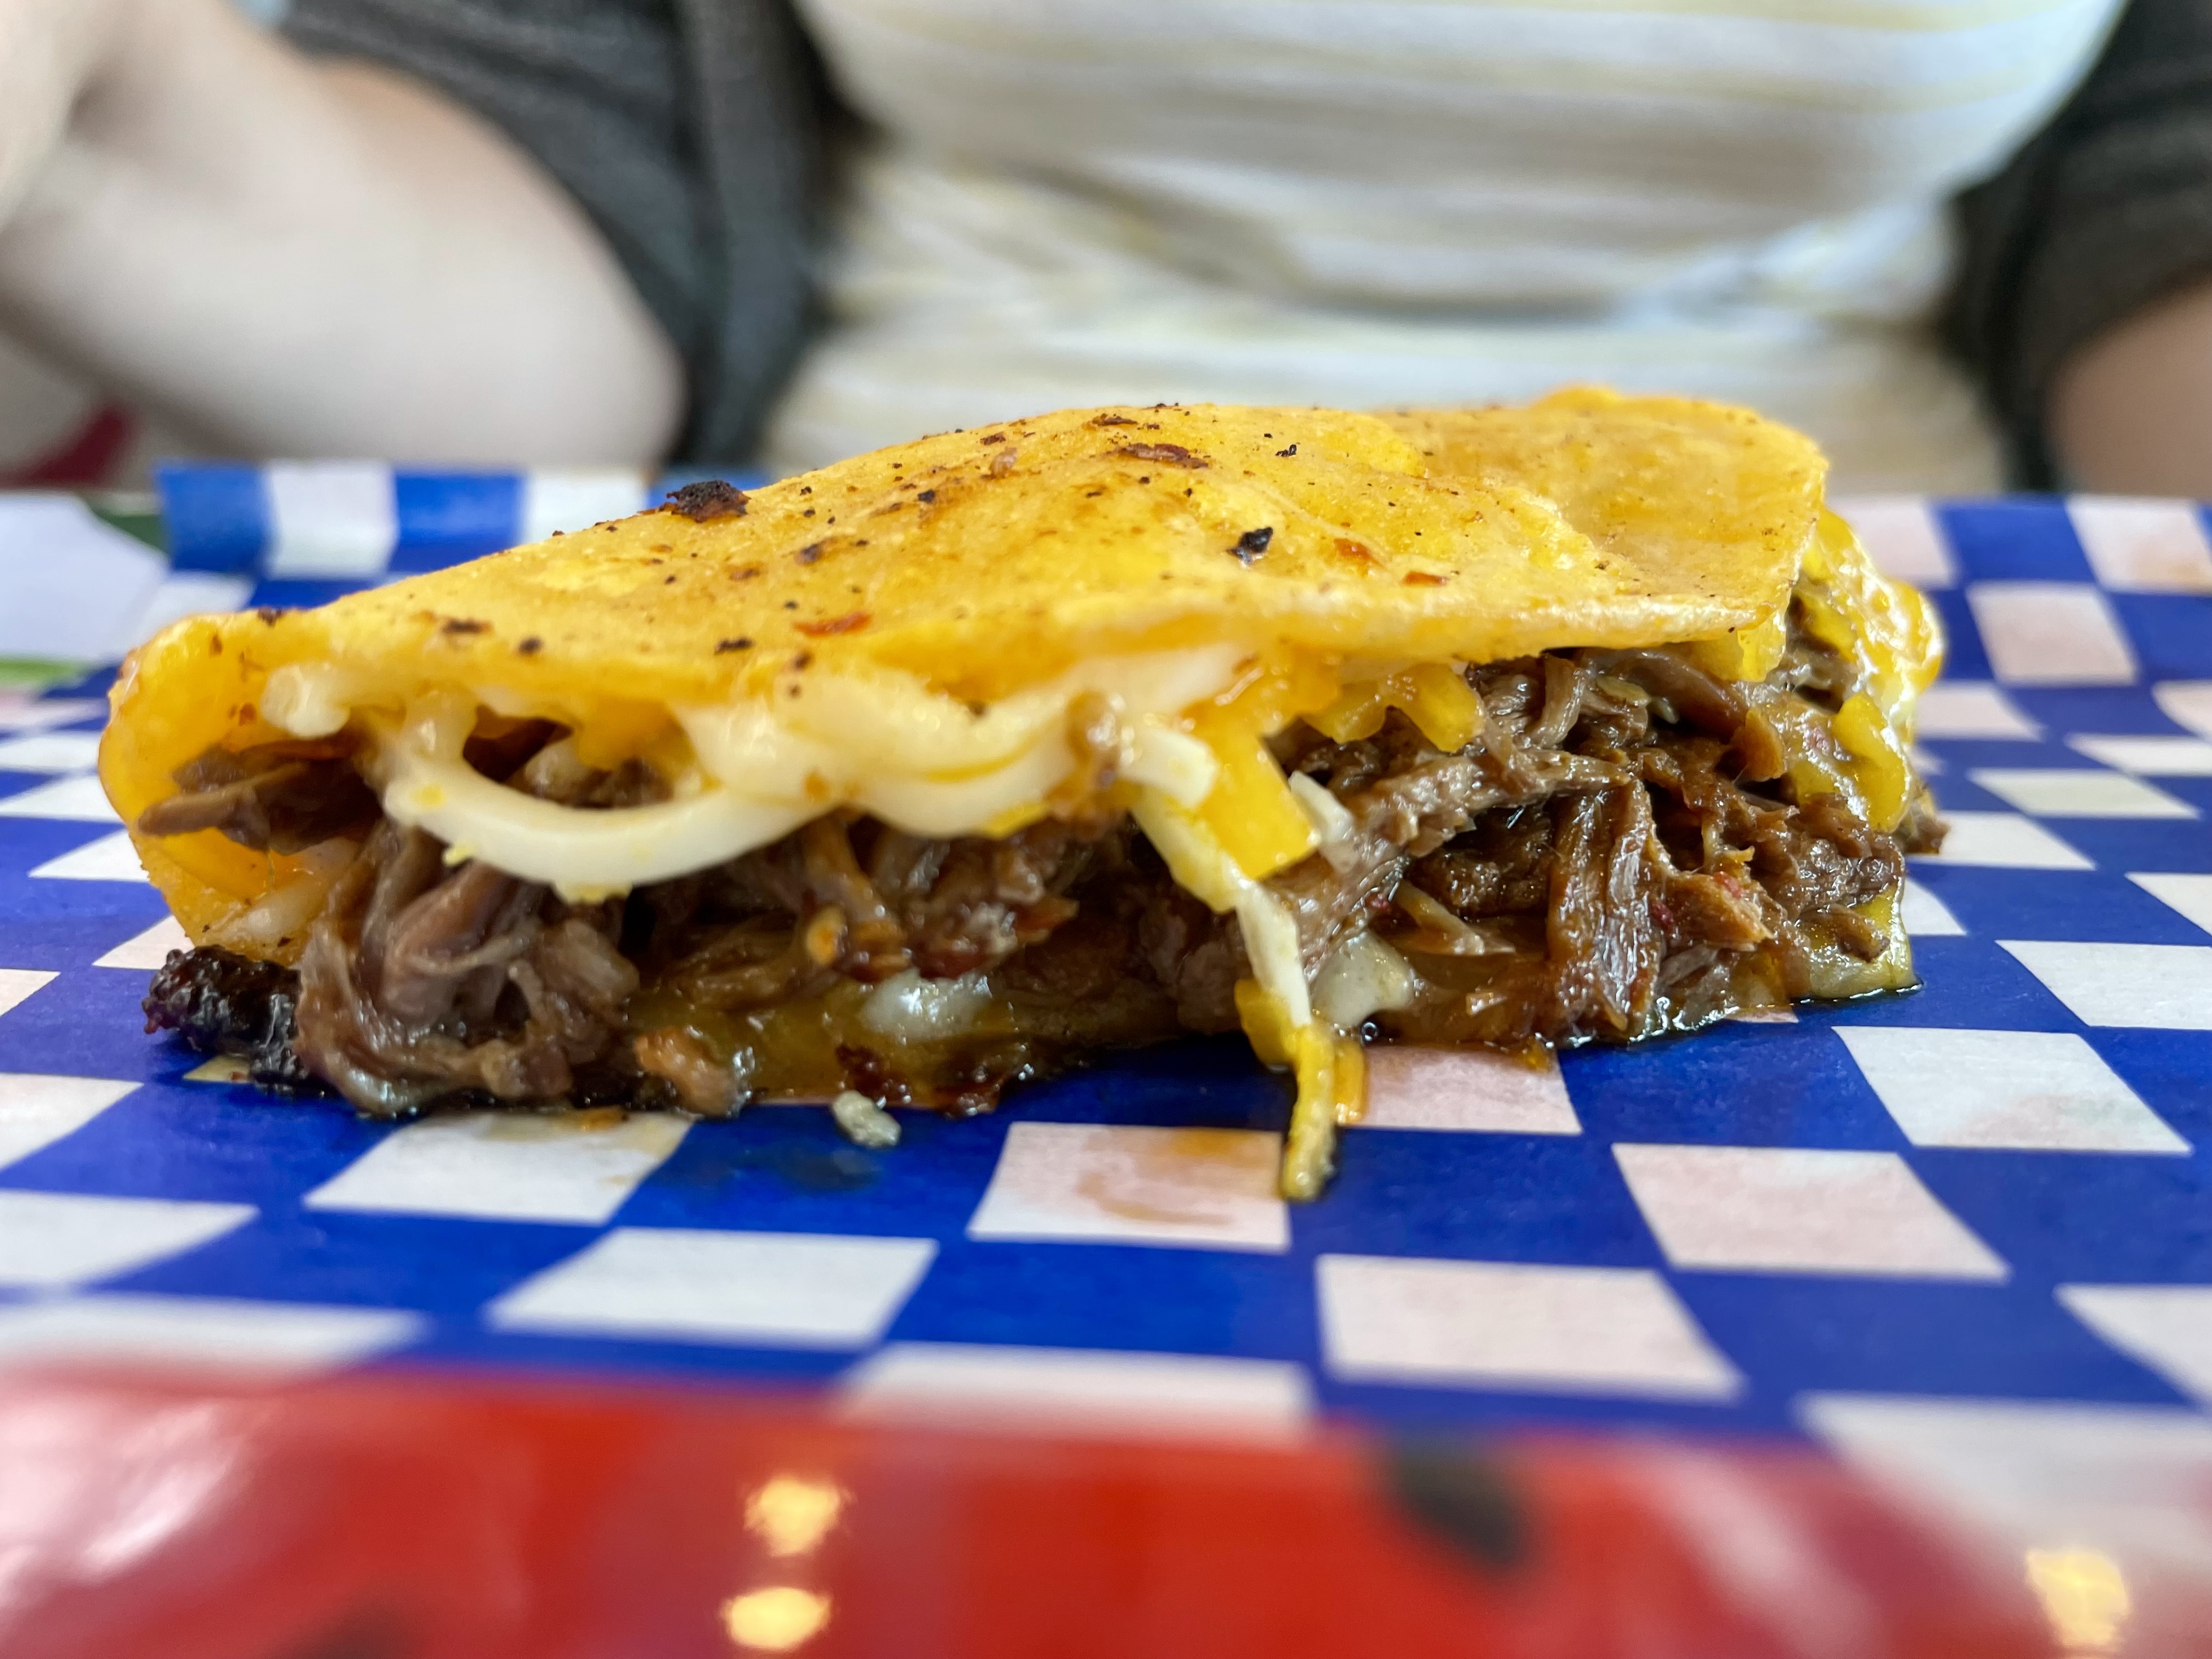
column 2130, row 411
column 297, row 258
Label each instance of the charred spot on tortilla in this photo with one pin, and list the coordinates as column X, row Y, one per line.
column 1579, row 722
column 1166, row 454
column 851, row 621
column 1252, row 543
column 708, row 500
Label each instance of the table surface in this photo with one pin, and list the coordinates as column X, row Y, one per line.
column 1984, row 1203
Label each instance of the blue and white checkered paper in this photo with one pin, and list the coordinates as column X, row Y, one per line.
column 1993, row 1196
column 307, row 532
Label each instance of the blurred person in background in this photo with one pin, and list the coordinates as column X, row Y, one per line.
column 1962, row 242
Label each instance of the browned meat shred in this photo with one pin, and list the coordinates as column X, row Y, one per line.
column 420, row 983
column 1609, row 852
column 1650, row 858
column 221, row 1002
column 281, row 798
column 1922, row 832
column 794, row 917
column 703, row 1083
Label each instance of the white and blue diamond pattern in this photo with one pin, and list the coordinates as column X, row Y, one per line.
column 1997, row 1189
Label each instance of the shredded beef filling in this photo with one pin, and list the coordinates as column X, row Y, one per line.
column 1614, row 855
column 281, row 798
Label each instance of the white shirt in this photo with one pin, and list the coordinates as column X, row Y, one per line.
column 1361, row 202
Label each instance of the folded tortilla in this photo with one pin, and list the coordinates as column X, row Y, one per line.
column 953, row 763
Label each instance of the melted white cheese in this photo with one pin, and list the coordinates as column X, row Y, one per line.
column 1365, row 978
column 584, row 854
column 1334, row 830
column 865, row 1123
column 882, row 742
column 912, row 1009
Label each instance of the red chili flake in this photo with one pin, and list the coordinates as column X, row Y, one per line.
column 463, row 625
column 1112, row 420
column 1285, row 454
column 851, row 623
column 1422, row 579
column 1252, row 543
column 808, row 554
column 994, row 437
column 1165, row 454
column 741, row 643
column 530, row 646
column 709, row 499
column 1356, row 552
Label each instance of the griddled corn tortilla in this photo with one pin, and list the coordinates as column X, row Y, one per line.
column 953, row 763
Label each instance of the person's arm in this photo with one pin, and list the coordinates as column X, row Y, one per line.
column 296, row 256
column 2131, row 410
column 2085, row 301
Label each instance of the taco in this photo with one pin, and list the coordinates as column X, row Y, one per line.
column 961, row 762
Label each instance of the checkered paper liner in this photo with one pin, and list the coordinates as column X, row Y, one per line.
column 1984, row 1205
column 306, row 528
